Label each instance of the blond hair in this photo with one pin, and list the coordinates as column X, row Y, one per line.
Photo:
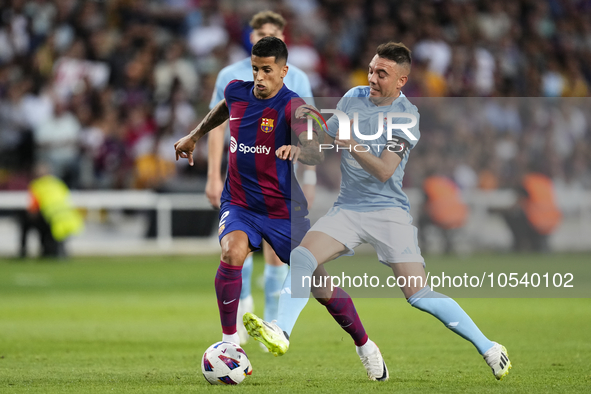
column 264, row 17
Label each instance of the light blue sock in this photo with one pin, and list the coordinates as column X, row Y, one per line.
column 452, row 315
column 302, row 263
column 274, row 278
column 246, row 277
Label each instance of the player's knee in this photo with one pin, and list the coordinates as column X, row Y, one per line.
column 233, row 254
column 321, row 286
column 302, row 257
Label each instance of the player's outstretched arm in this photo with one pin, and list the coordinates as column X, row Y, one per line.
column 215, row 151
column 185, row 146
column 382, row 167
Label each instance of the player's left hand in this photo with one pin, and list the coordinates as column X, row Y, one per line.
column 290, row 152
column 184, row 149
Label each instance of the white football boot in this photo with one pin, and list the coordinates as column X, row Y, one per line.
column 498, row 360
column 375, row 366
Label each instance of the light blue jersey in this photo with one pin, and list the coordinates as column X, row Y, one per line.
column 296, row 80
column 361, row 191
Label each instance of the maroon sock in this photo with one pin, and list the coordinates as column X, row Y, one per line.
column 343, row 311
column 228, row 283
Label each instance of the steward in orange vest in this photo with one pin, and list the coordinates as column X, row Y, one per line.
column 539, row 203
column 536, row 214
column 443, row 207
column 444, row 203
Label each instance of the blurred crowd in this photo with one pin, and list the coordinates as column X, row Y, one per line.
column 100, row 90
column 491, row 143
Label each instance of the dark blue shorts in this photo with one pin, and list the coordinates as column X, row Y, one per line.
column 283, row 235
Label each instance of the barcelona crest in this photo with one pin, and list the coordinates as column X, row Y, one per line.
column 267, row 125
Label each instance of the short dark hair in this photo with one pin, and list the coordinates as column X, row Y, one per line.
column 395, row 51
column 264, row 17
column 270, row 46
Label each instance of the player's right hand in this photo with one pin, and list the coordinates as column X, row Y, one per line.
column 290, row 152
column 213, row 190
column 184, row 149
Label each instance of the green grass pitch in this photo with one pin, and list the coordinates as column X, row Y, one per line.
column 141, row 325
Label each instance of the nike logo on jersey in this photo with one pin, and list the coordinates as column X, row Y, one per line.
column 229, row 302
column 231, row 118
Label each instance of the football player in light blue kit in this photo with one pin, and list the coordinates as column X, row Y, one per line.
column 371, row 208
column 265, row 23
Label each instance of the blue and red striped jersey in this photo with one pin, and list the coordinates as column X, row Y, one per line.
column 257, row 180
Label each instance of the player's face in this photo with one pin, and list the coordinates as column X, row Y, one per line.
column 386, row 78
column 268, row 76
column 266, row 30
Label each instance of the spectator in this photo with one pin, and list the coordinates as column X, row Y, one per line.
column 112, row 163
column 73, row 70
column 57, row 142
column 494, row 24
column 203, row 39
column 174, row 66
column 433, row 49
column 16, row 138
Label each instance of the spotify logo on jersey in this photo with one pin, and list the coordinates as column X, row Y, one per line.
column 233, row 145
column 245, row 149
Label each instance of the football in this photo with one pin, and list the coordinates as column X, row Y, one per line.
column 225, row 363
